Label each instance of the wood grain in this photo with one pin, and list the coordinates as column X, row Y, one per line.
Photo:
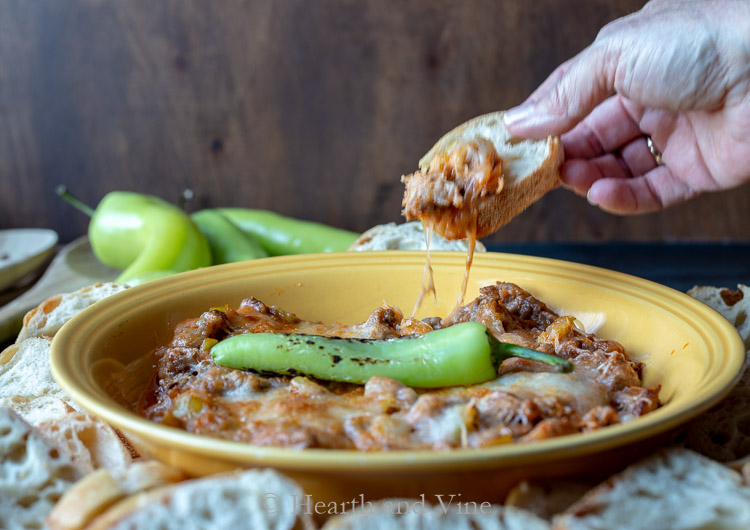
column 311, row 109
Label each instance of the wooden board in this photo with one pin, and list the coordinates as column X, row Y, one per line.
column 73, row 267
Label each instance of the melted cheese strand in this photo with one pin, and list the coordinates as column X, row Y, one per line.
column 428, row 280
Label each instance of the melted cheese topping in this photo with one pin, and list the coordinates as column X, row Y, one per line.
column 446, row 199
column 525, row 402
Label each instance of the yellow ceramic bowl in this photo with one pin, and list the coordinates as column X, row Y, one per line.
column 688, row 349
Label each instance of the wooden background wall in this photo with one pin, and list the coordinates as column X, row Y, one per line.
column 312, row 108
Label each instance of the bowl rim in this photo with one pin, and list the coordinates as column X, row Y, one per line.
column 339, row 460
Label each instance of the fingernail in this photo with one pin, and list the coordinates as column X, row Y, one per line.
column 518, row 115
column 592, row 202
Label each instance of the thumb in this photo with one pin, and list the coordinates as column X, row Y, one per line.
column 568, row 95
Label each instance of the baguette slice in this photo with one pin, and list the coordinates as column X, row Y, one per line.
column 33, row 474
column 252, row 499
column 26, row 383
column 48, row 317
column 670, row 490
column 734, row 305
column 406, row 236
column 88, row 441
column 97, row 491
column 530, row 169
column 415, row 514
column 546, row 498
column 720, row 433
column 28, row 388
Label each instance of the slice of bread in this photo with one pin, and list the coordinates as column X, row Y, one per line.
column 530, row 167
column 26, row 383
column 670, row 490
column 407, row 236
column 734, row 305
column 37, row 410
column 33, row 474
column 88, row 441
column 546, row 498
column 253, row 499
column 722, row 432
column 415, row 514
column 93, row 494
column 28, row 388
column 48, row 317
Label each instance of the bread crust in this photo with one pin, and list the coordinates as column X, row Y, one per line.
column 98, row 491
column 661, row 491
column 496, row 211
column 48, row 317
column 268, row 483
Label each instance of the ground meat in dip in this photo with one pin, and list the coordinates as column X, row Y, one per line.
column 526, row 402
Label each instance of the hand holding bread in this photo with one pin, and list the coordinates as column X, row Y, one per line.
column 675, row 74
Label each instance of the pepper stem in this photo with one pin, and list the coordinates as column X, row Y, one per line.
column 74, row 201
column 505, row 350
column 185, row 197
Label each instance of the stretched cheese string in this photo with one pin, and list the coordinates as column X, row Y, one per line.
column 428, row 280
column 469, row 260
column 479, row 169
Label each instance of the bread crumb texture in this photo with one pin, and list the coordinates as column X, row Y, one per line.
column 671, row 490
column 733, row 304
column 33, row 475
column 409, row 514
column 26, row 383
column 407, row 236
column 723, row 432
column 253, row 499
column 547, row 497
column 88, row 441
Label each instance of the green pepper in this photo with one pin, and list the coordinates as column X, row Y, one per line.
column 142, row 234
column 462, row 354
column 228, row 243
column 281, row 235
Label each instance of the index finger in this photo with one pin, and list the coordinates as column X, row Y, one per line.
column 549, row 83
column 606, row 129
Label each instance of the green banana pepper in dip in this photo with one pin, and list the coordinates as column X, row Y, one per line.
column 462, row 354
column 281, row 235
column 143, row 234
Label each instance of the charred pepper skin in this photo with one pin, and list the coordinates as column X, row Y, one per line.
column 463, row 354
column 142, row 234
column 281, row 235
column 228, row 243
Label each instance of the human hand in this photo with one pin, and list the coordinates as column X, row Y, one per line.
column 677, row 71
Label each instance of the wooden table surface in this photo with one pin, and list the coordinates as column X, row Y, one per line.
column 311, row 109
